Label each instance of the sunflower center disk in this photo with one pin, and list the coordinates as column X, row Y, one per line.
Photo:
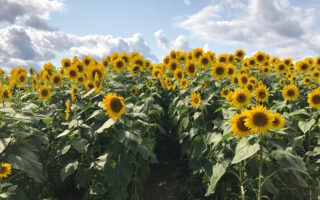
column 116, row 105
column 260, row 119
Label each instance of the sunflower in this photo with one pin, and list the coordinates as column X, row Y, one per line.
column 166, row 60
column 315, row 74
column 259, row 119
column 287, row 61
column 278, row 121
column 148, row 84
column 223, row 58
column 191, row 68
column 67, row 110
column 205, row 60
column 89, row 85
column 72, row 73
column 138, row 60
column 275, row 59
column 135, row 70
column 6, row 92
column 178, row 74
column 118, row 64
column 219, row 70
column 56, row 79
column 230, row 58
column 80, row 66
column 229, row 98
column 252, row 62
column 66, row 63
column 195, row 100
column 203, row 85
column 260, row 57
column 125, row 57
column 173, row 54
column 239, row 54
column 44, row 92
column 105, row 62
column 97, row 85
column 243, row 79
column 197, row 52
column 92, row 70
column 182, row 57
column 314, row 99
column 235, row 80
column 22, row 78
column 238, row 125
column 303, row 66
column 317, row 61
column 168, row 83
column 148, row 64
column 241, row 98
column 86, row 60
column 114, row 105
column 280, row 67
column 231, row 70
column 306, row 80
column 249, row 86
column 173, row 65
column 261, row 94
column 224, row 92
column 5, row 170
column 290, row 92
column 156, row 72
column 134, row 91
column 253, row 80
column 184, row 84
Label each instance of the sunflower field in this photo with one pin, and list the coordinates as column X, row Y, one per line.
column 246, row 127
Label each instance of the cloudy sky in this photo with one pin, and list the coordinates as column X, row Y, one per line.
column 37, row 31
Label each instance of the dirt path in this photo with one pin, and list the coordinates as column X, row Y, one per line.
column 162, row 181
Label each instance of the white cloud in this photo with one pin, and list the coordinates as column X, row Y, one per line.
column 180, row 43
column 27, row 39
column 187, row 2
column 256, row 23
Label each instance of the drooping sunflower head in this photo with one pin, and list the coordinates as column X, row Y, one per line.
column 238, row 125
column 315, row 74
column 5, row 170
column 44, row 92
column 195, row 100
column 224, row 92
column 114, row 105
column 6, row 92
column 219, row 70
column 278, row 121
column 89, row 85
column 178, row 74
column 259, row 119
column 56, row 79
column 134, row 91
column 290, row 92
column 314, row 99
column 261, row 94
column 241, row 98
column 190, row 68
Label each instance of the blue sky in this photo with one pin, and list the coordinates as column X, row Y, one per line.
column 34, row 32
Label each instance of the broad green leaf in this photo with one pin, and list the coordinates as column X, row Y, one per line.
column 289, row 161
column 106, row 125
column 298, row 112
column 305, row 126
column 196, row 115
column 80, row 145
column 64, row 133
column 218, row 171
column 69, row 169
column 4, row 143
column 185, row 122
column 244, row 150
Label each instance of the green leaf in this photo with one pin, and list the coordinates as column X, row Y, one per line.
column 106, row 125
column 68, row 170
column 244, row 150
column 4, row 143
column 289, row 161
column 81, row 145
column 218, row 171
column 196, row 115
column 306, row 126
column 185, row 122
column 64, row 133
column 298, row 112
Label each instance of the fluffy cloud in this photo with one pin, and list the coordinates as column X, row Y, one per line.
column 187, row 2
column 29, row 40
column 180, row 43
column 256, row 23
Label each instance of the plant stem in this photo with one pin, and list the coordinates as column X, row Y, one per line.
column 241, row 181
column 260, row 170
